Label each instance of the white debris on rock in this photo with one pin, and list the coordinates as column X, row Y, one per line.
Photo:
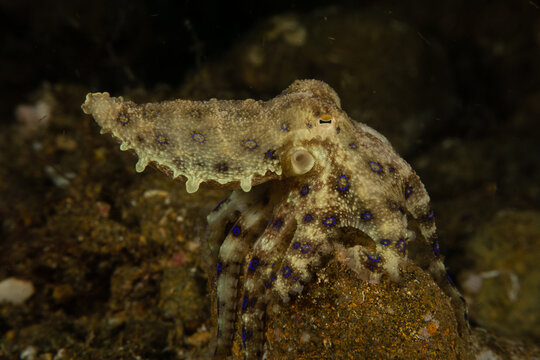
column 15, row 291
column 29, row 353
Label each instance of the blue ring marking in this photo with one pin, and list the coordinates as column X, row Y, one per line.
column 408, row 192
column 253, row 264
column 277, row 224
column 160, row 139
column 273, row 277
column 284, row 126
column 344, row 187
column 295, row 278
column 267, row 284
column 236, row 230
column 385, row 242
column 305, row 190
column 436, row 248
column 401, row 245
column 120, row 119
column 218, row 268
column 367, row 216
column 430, row 215
column 450, row 280
column 198, row 137
column 307, row 218
column 286, row 271
column 393, row 205
column 243, row 336
column 391, row 169
column 329, row 221
column 218, row 205
column 374, row 258
column 375, row 166
column 194, row 113
column 250, row 144
column 296, row 245
column 306, row 248
column 245, row 303
column 269, row 154
column 222, row 167
column 353, row 146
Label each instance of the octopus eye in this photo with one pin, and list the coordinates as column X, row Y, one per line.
column 326, row 120
column 302, row 161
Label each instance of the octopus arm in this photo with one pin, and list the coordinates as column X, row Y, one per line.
column 305, row 246
column 240, row 219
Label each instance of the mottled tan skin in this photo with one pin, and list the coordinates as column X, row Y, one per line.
column 323, row 185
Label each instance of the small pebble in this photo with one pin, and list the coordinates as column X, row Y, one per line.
column 15, row 291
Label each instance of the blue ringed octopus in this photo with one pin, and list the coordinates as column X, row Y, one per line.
column 303, row 175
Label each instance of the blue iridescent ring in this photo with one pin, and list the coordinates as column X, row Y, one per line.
column 329, row 221
column 393, row 205
column 236, row 230
column 305, row 190
column 277, row 224
column 123, row 119
column 307, row 218
column 198, row 137
column 250, row 144
column 436, row 249
column 296, row 245
column 286, row 271
column 160, row 139
column 375, row 166
column 374, row 258
column 353, row 146
column 340, row 185
column 408, row 191
column 222, row 167
column 253, row 264
column 430, row 215
column 284, row 125
column 385, row 242
column 401, row 245
column 306, row 248
column 367, row 216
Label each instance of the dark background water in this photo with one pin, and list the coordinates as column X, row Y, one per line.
column 117, row 44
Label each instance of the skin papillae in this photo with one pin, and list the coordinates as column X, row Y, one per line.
column 302, row 173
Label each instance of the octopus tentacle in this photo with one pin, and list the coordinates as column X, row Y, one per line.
column 232, row 252
column 418, row 206
column 306, row 252
column 260, row 276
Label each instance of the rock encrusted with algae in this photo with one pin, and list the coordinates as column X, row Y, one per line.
column 315, row 185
